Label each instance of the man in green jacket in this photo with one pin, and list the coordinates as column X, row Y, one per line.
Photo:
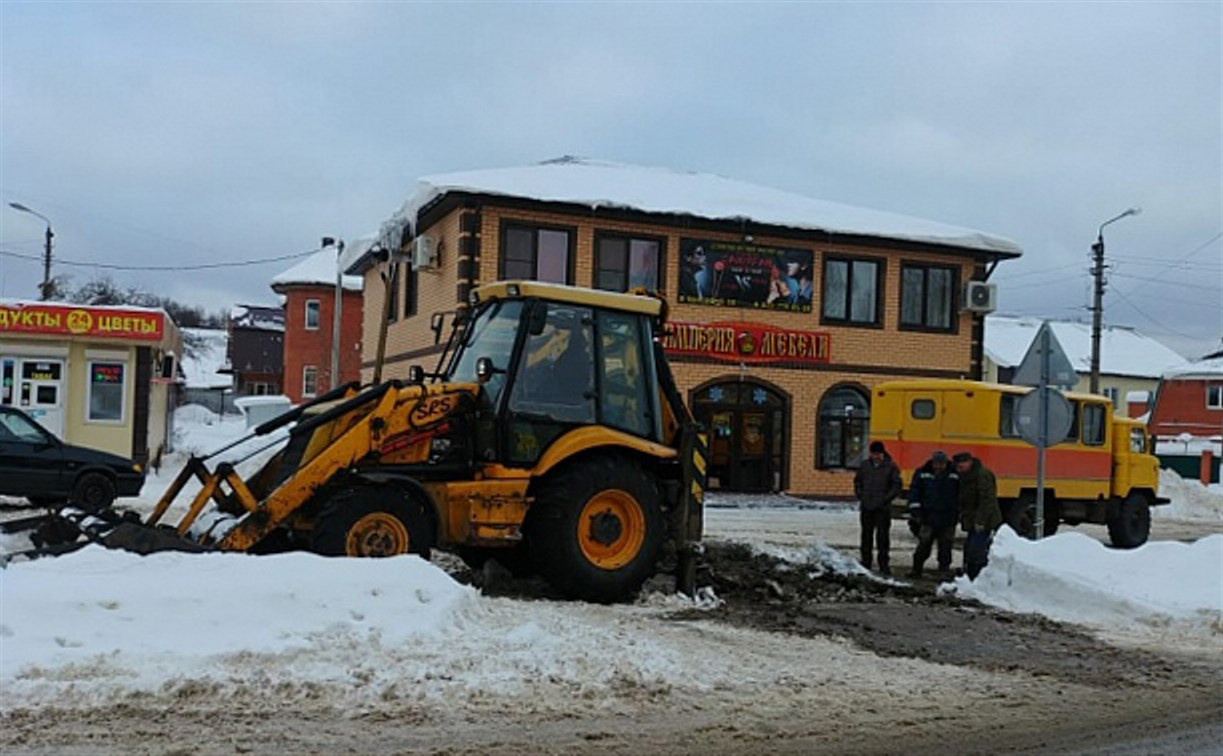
column 980, row 514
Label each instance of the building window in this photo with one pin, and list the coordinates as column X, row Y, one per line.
column 1214, row 396
column 623, row 263
column 851, row 291
column 536, row 254
column 392, row 310
column 843, row 428
column 927, row 297
column 1111, row 394
column 312, row 314
column 106, row 391
column 309, row 381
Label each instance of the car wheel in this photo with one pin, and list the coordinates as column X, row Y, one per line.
column 93, row 491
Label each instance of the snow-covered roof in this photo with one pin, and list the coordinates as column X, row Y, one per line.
column 259, row 317
column 1137, row 396
column 316, row 270
column 603, row 184
column 58, row 303
column 1211, row 367
column 1123, row 351
column 204, row 354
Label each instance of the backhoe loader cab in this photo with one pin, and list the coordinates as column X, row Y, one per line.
column 551, row 438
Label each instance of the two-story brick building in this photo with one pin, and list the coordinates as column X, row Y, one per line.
column 309, row 291
column 783, row 310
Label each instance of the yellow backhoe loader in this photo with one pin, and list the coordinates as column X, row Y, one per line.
column 551, row 436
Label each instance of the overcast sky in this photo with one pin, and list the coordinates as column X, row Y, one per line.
column 161, row 133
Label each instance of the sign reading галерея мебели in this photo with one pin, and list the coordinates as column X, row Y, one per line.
column 746, row 342
column 740, row 274
column 68, row 320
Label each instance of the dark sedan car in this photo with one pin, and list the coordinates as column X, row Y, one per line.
column 37, row 465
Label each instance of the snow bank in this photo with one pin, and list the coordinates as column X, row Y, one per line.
column 157, row 616
column 1072, row 577
column 1190, row 500
column 98, row 627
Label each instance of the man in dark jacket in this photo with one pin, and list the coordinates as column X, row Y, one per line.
column 980, row 515
column 875, row 485
column 934, row 505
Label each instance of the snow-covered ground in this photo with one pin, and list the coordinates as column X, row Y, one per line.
column 1164, row 589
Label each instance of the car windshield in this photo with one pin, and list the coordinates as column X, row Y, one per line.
column 20, row 428
column 490, row 334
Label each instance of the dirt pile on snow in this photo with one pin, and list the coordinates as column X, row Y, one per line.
column 1190, row 500
column 1160, row 587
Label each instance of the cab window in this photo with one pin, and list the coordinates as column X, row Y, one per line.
column 1094, row 425
column 922, row 409
column 622, row 388
column 1138, row 441
column 554, row 384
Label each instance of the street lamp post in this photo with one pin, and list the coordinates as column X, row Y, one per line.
column 1097, row 308
column 45, row 289
column 337, row 309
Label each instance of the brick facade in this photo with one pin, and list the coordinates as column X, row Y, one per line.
column 860, row 356
column 305, row 346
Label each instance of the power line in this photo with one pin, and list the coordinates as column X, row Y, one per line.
column 1153, row 279
column 1144, row 314
column 162, row 268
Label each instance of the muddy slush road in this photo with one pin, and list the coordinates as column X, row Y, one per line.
column 877, row 669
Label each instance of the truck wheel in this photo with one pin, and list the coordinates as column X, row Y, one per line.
column 597, row 529
column 1129, row 521
column 93, row 491
column 372, row 521
column 1021, row 515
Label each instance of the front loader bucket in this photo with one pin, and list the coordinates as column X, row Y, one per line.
column 70, row 529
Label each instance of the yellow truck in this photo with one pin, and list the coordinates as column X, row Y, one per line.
column 551, row 436
column 1102, row 473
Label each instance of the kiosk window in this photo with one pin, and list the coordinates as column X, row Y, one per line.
column 922, row 409
column 106, row 384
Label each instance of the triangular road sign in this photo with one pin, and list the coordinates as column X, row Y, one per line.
column 1061, row 372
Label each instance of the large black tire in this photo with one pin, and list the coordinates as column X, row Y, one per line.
column 93, row 492
column 596, row 528
column 373, row 521
column 1129, row 521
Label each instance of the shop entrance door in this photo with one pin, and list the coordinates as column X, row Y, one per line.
column 35, row 386
column 746, row 436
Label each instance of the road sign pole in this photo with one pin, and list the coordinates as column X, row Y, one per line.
column 1042, row 436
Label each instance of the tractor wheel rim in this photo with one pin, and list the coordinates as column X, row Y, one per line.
column 377, row 534
column 611, row 529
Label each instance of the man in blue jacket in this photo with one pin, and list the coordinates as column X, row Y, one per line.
column 934, row 508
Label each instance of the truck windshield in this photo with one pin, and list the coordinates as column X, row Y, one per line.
column 490, row 334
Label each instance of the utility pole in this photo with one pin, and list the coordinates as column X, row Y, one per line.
column 45, row 289
column 1097, row 307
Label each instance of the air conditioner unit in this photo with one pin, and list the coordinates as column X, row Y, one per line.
column 980, row 297
column 424, row 253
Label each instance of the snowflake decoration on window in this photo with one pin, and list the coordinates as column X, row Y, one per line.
column 716, row 394
column 759, row 397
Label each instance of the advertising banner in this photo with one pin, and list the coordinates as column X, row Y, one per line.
column 746, row 342
column 739, row 274
column 67, row 320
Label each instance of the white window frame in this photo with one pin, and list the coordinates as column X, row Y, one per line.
column 307, row 369
column 318, row 314
column 122, row 393
column 1218, row 387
